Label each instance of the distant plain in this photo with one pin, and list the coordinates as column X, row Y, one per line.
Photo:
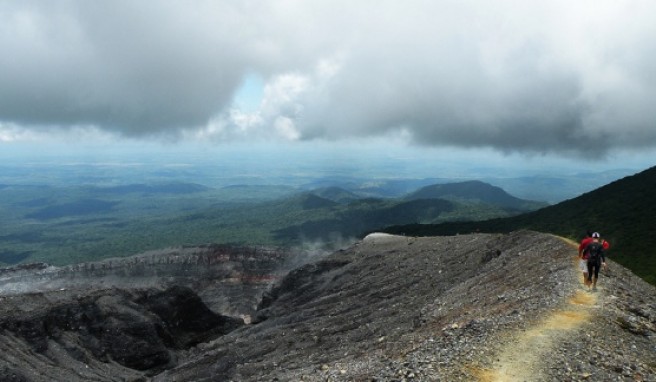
column 71, row 211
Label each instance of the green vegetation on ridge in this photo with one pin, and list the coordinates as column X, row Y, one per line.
column 62, row 225
column 624, row 212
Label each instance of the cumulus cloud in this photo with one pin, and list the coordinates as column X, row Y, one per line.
column 516, row 76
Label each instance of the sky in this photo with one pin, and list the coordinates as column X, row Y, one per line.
column 531, row 82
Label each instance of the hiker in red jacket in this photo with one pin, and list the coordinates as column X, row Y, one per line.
column 583, row 262
column 583, row 259
column 594, row 253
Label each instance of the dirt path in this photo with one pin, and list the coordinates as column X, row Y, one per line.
column 520, row 358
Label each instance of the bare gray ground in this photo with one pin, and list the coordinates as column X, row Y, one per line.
column 463, row 308
column 472, row 307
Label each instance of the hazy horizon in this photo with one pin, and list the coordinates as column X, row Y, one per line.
column 306, row 166
column 416, row 89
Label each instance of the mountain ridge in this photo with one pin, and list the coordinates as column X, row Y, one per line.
column 622, row 211
column 104, row 225
column 346, row 217
column 386, row 308
column 474, row 191
column 434, row 308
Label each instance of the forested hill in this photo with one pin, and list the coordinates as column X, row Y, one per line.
column 624, row 212
column 474, row 191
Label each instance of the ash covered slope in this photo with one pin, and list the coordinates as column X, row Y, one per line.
column 128, row 318
column 471, row 307
column 101, row 335
column 435, row 308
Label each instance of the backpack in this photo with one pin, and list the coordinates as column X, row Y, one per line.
column 594, row 251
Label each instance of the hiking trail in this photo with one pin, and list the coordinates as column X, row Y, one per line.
column 520, row 357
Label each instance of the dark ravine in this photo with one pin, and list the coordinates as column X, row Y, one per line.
column 127, row 318
column 388, row 308
column 134, row 332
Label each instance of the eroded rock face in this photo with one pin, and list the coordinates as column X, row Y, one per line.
column 138, row 330
column 229, row 279
column 126, row 318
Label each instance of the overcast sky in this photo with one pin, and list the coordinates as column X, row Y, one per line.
column 553, row 78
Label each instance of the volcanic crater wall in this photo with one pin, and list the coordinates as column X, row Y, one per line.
column 127, row 318
column 229, row 279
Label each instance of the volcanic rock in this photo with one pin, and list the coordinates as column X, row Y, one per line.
column 389, row 308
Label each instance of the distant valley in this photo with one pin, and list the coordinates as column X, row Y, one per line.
column 72, row 224
column 75, row 212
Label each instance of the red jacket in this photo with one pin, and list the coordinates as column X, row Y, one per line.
column 584, row 243
column 588, row 240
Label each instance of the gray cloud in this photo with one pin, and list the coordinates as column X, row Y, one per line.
column 515, row 76
column 135, row 67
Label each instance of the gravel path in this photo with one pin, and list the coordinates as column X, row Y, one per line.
column 521, row 359
column 543, row 352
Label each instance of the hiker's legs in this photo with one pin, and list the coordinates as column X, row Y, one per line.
column 583, row 266
column 596, row 275
column 590, row 272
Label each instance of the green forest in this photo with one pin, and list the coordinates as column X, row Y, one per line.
column 623, row 211
column 72, row 224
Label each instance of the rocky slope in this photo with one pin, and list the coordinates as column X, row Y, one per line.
column 229, row 279
column 102, row 335
column 472, row 307
column 127, row 318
